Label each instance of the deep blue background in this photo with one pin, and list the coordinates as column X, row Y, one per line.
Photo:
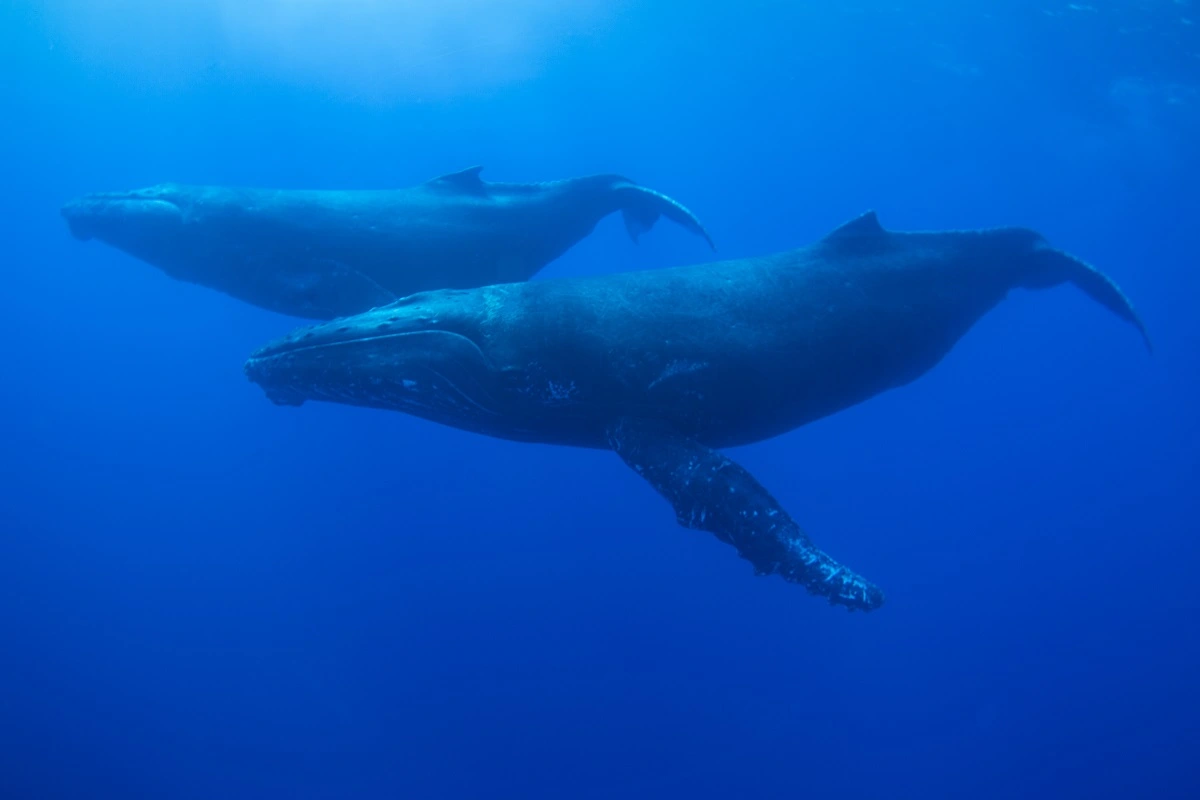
column 203, row 595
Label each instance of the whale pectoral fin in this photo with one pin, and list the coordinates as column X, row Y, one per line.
column 326, row 288
column 710, row 492
column 514, row 270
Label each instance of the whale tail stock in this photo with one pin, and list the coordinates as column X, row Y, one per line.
column 641, row 208
column 1056, row 266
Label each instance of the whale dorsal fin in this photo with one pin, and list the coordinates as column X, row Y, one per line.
column 859, row 236
column 466, row 179
column 861, row 227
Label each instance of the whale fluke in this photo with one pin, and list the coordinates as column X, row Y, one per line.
column 641, row 208
column 1058, row 266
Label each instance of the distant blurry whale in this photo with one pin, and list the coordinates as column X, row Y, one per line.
column 325, row 254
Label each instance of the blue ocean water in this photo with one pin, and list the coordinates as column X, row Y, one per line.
column 205, row 595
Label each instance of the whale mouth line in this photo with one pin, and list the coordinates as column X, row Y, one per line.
column 142, row 203
column 276, row 351
column 273, row 371
column 96, row 215
column 135, row 196
column 102, row 201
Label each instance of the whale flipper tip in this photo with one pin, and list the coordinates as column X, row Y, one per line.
column 713, row 493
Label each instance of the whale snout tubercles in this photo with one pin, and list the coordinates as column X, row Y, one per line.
column 273, row 368
column 260, row 370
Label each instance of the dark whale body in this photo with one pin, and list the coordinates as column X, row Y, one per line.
column 325, row 254
column 663, row 366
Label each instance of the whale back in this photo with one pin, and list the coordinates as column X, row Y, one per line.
column 739, row 350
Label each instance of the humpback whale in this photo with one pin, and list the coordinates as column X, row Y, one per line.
column 325, row 254
column 666, row 366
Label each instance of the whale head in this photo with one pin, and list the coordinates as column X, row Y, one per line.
column 425, row 355
column 228, row 240
column 152, row 224
column 128, row 220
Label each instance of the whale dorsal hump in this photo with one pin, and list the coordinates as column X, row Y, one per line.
column 467, row 180
column 862, row 228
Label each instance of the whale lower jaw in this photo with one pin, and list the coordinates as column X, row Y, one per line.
column 285, row 396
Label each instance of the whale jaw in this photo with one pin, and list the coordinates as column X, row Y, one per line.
column 122, row 219
column 402, row 357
